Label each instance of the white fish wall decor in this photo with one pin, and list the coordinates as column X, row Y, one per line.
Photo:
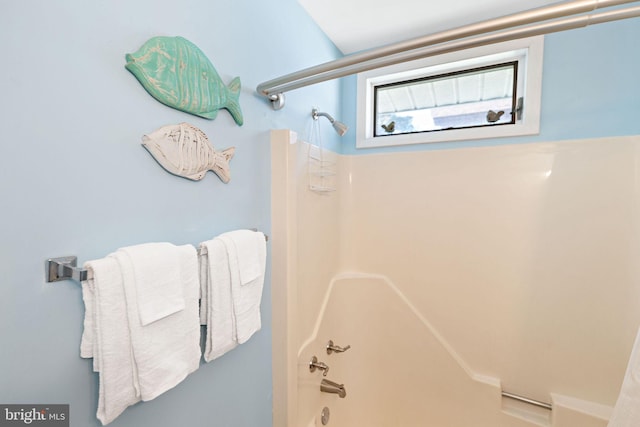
column 185, row 150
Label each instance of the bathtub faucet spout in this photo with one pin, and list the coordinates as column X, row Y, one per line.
column 329, row 386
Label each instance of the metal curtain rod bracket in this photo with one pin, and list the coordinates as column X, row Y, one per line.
column 529, row 23
column 66, row 267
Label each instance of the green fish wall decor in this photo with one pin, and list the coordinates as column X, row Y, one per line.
column 176, row 72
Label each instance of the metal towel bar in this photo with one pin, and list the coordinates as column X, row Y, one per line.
column 65, row 268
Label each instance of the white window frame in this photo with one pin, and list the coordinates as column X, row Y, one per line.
column 527, row 51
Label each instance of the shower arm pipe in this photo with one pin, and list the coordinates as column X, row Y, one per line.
column 315, row 114
column 449, row 41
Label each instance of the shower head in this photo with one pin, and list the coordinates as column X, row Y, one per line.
column 341, row 128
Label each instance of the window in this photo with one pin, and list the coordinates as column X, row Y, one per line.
column 479, row 97
column 486, row 92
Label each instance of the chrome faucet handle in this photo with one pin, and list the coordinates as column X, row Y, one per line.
column 335, row 348
column 314, row 364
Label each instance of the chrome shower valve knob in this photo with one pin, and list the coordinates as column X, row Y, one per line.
column 314, row 364
column 335, row 348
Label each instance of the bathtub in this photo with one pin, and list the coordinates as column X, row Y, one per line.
column 400, row 372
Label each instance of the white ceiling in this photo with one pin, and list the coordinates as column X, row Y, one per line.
column 355, row 25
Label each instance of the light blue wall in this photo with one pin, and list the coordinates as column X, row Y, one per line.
column 76, row 181
column 590, row 88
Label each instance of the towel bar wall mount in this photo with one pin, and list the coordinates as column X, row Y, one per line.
column 64, row 268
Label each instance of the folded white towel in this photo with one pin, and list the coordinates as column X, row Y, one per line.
column 626, row 413
column 251, row 252
column 215, row 304
column 139, row 356
column 106, row 338
column 164, row 351
column 158, row 285
column 247, row 254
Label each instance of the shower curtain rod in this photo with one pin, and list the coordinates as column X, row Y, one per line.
column 529, row 23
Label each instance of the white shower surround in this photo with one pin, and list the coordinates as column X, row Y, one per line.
column 514, row 264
